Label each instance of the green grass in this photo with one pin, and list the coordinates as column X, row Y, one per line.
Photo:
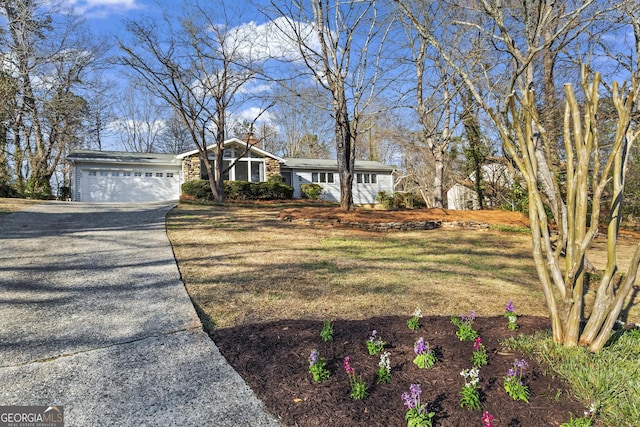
column 608, row 381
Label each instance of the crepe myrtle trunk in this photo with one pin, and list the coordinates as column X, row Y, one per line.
column 560, row 258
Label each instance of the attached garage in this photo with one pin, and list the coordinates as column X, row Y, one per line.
column 100, row 176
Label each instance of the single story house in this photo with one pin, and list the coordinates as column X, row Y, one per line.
column 111, row 176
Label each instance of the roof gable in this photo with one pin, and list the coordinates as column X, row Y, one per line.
column 234, row 141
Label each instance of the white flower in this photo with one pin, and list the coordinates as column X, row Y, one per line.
column 417, row 313
column 385, row 361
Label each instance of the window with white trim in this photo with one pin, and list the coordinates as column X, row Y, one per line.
column 366, row 178
column 92, row 173
column 126, row 173
column 148, row 174
column 169, row 174
column 115, row 173
column 322, row 177
column 104, row 173
column 137, row 174
column 158, row 174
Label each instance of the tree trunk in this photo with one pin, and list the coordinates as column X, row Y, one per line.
column 438, row 179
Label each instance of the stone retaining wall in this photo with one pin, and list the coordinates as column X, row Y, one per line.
column 393, row 226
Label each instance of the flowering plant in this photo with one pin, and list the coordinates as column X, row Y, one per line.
column 318, row 367
column 513, row 381
column 417, row 415
column 358, row 386
column 465, row 326
column 487, row 419
column 327, row 331
column 374, row 344
column 512, row 317
column 479, row 357
column 414, row 322
column 425, row 358
column 469, row 396
column 383, row 375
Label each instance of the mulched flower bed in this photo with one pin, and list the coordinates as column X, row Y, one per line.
column 273, row 359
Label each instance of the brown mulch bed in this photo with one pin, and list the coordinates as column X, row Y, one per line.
column 273, row 359
column 364, row 215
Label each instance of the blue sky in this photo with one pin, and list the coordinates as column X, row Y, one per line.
column 107, row 16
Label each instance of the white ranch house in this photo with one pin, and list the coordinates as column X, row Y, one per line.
column 112, row 176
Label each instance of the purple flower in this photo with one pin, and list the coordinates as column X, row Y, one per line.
column 510, row 307
column 415, row 390
column 412, row 399
column 420, row 346
column 409, row 402
column 522, row 364
column 373, row 335
column 313, row 357
column 468, row 318
column 511, row 373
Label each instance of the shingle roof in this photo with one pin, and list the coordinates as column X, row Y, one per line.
column 122, row 157
column 360, row 165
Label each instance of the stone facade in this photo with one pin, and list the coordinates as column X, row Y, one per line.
column 271, row 167
column 191, row 168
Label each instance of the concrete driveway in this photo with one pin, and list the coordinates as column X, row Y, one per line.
column 94, row 317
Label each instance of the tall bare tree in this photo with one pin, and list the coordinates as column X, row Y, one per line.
column 50, row 54
column 339, row 43
column 198, row 66
column 437, row 90
column 142, row 120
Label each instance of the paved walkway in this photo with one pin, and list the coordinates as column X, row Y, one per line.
column 94, row 317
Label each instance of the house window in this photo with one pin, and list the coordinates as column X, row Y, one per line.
column 314, row 177
column 115, row 173
column 242, row 171
column 92, row 173
column 169, row 174
column 366, row 178
column 330, row 178
column 126, row 173
column 158, row 174
column 256, row 171
column 104, row 173
column 148, row 174
column 137, row 174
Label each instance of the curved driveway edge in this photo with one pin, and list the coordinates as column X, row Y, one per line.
column 94, row 318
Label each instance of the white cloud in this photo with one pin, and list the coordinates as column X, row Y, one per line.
column 102, row 8
column 274, row 39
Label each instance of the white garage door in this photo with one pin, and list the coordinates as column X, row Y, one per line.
column 129, row 186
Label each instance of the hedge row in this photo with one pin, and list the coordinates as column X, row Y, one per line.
column 240, row 190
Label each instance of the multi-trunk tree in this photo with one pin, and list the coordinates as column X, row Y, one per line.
column 565, row 199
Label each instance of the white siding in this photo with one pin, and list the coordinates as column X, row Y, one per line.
column 363, row 193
